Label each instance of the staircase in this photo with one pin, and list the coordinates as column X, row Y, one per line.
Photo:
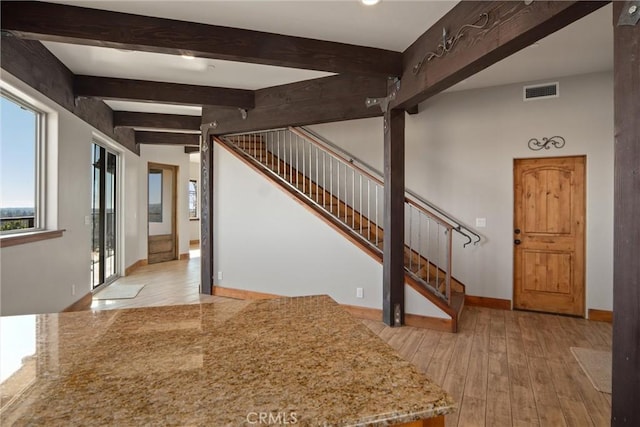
column 349, row 195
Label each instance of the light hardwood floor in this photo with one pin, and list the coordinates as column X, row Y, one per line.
column 167, row 283
column 504, row 368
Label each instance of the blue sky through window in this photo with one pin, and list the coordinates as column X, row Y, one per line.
column 17, row 155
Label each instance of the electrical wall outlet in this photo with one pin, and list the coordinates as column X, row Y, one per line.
column 219, row 275
column 359, row 293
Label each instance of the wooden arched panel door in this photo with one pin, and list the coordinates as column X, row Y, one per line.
column 549, row 235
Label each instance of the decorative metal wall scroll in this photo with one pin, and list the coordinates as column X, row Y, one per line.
column 448, row 42
column 546, row 143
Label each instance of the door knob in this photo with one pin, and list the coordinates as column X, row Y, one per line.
column 517, row 241
column 517, row 231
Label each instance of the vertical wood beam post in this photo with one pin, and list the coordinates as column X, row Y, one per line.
column 206, row 212
column 625, row 410
column 393, row 246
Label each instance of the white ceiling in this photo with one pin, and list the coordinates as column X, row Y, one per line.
column 583, row 47
column 586, row 46
column 107, row 62
column 147, row 107
column 391, row 24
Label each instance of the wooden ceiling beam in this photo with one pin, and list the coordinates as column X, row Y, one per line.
column 327, row 99
column 32, row 63
column 157, row 121
column 94, row 27
column 167, row 138
column 169, row 93
column 511, row 26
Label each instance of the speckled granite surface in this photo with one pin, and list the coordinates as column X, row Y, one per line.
column 297, row 361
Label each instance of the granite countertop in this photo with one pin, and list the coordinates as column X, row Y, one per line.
column 299, row 361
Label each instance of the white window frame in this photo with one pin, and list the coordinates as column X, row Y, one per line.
column 40, row 208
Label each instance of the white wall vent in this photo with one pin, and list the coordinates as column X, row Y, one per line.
column 541, row 91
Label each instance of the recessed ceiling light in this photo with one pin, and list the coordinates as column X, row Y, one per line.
column 370, row 2
column 188, row 56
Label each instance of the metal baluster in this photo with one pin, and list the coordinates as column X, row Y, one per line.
column 310, row 171
column 346, row 196
column 274, row 150
column 317, row 175
column 278, row 151
column 361, row 210
column 410, row 237
column 331, row 185
column 338, row 196
column 377, row 237
column 304, row 172
column 290, row 159
column 369, row 207
column 419, row 239
column 353, row 197
column 428, row 248
column 448, row 265
column 297, row 157
column 439, row 261
column 324, row 178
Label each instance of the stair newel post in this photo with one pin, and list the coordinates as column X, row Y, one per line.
column 393, row 243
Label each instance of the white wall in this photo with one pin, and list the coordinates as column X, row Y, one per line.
column 267, row 242
column 167, row 155
column 130, row 208
column 459, row 154
column 194, row 173
column 38, row 277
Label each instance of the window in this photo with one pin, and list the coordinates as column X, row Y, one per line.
column 193, row 199
column 21, row 165
column 155, row 195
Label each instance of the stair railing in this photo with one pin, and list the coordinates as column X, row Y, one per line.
column 354, row 196
column 469, row 234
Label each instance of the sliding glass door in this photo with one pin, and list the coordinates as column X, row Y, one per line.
column 103, row 216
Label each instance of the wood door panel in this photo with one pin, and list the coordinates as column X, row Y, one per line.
column 548, row 195
column 547, row 271
column 160, row 243
column 549, row 213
